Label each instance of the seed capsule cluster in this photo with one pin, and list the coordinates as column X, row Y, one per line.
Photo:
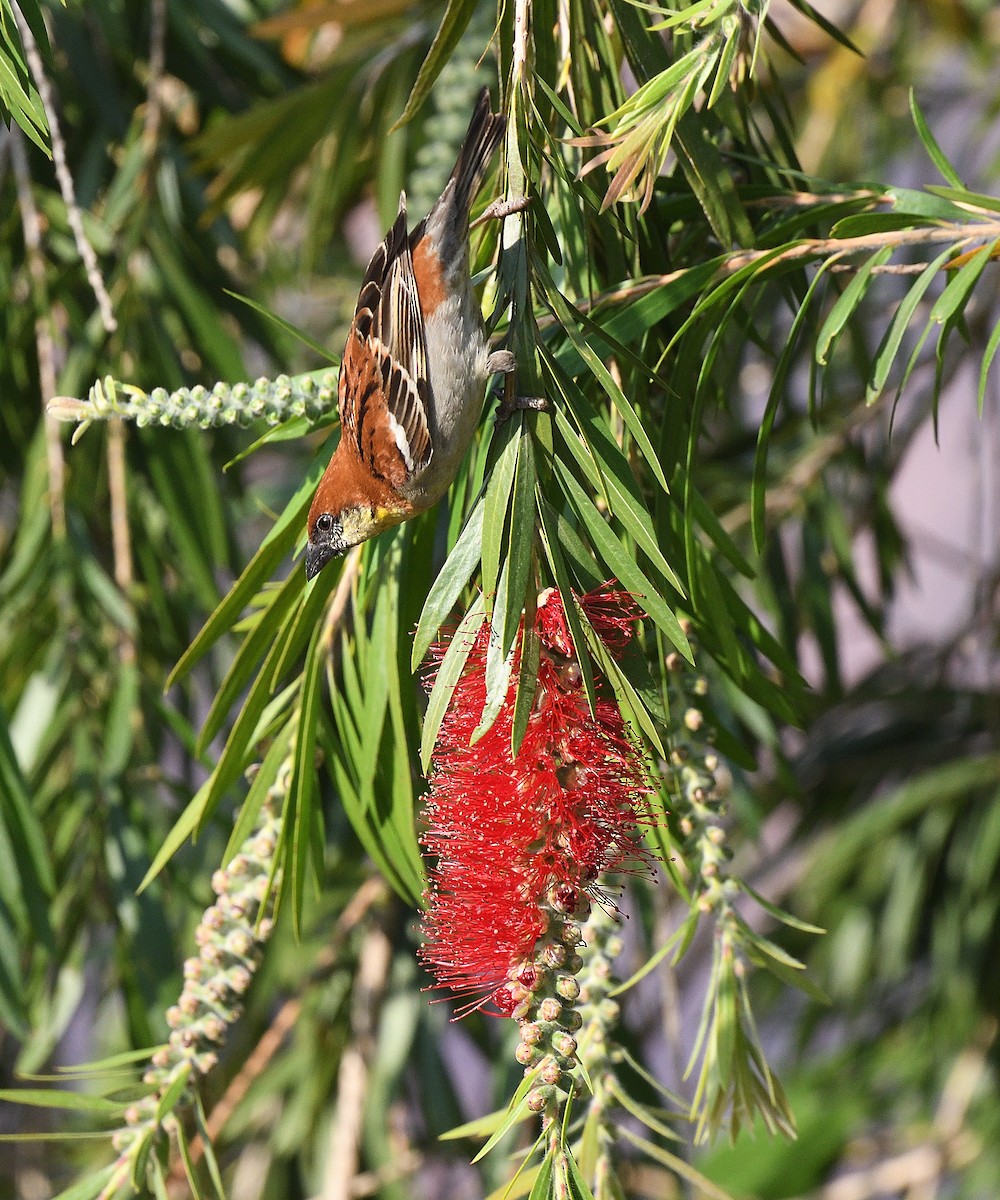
column 602, row 944
column 230, row 938
column 697, row 780
column 599, row 1051
column 545, row 992
column 270, row 400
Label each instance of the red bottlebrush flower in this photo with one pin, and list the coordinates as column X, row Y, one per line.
column 513, row 837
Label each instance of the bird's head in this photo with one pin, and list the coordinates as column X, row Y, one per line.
column 333, row 533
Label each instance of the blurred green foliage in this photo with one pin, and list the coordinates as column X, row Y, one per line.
column 724, row 437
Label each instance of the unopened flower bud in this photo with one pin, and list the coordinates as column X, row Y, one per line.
column 526, row 1055
column 554, row 954
column 609, row 1011
column 564, row 1044
column 568, row 987
column 694, row 718
column 550, row 1072
column 550, row 1009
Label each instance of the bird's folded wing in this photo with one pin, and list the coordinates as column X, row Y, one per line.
column 384, row 385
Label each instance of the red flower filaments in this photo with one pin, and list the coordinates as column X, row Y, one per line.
column 512, row 838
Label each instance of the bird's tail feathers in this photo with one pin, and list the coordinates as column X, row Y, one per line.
column 486, row 130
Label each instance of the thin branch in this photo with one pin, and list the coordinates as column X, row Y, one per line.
column 403, row 1165
column 886, row 269
column 338, row 605
column 809, row 199
column 154, row 88
column 121, row 537
column 352, row 1077
column 65, row 179
column 974, row 232
column 44, row 341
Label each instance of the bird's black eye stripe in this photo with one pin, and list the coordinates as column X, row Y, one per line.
column 324, row 523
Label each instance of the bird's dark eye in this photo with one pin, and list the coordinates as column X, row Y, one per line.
column 324, row 523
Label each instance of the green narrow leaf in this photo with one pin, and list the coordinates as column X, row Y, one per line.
column 28, row 839
column 827, row 26
column 449, row 585
column 268, row 622
column 211, row 1162
column 622, row 565
column 226, row 772
column 301, row 800
column 520, row 545
column 553, row 552
column 496, row 502
column 711, row 180
column 611, row 476
column 846, row 303
column 512, row 585
column 299, row 334
column 517, row 1111
column 190, row 1173
column 988, row 356
column 954, row 296
column 937, row 155
column 568, row 318
column 498, row 664
column 527, row 685
column 453, row 24
column 889, row 347
column 448, row 675
column 758, row 483
column 542, row 1187
column 578, row 1188
column 74, row 1101
column 279, row 541
column 703, row 1185
column 173, row 1092
column 304, row 618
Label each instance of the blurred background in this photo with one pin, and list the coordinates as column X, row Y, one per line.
column 244, row 148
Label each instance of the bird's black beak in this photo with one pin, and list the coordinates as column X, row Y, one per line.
column 318, row 555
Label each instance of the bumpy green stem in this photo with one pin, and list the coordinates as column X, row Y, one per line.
column 270, row 400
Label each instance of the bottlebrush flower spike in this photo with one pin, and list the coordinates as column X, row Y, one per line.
column 518, row 839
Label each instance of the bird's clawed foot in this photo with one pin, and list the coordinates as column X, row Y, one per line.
column 512, row 404
column 501, row 208
column 503, row 362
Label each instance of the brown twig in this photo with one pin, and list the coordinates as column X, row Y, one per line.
column 352, row 1077
column 404, row 1164
column 44, row 340
column 157, row 64
column 974, row 232
column 121, row 537
column 63, row 176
